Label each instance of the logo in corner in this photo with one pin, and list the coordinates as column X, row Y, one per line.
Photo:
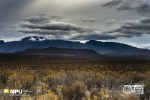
column 6, row 91
column 137, row 89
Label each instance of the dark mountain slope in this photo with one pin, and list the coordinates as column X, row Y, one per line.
column 110, row 46
column 80, row 53
column 1, row 42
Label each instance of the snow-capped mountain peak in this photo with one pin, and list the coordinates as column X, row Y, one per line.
column 34, row 38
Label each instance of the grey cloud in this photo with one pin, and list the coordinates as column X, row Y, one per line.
column 62, row 30
column 57, row 18
column 94, row 36
column 53, row 33
column 73, row 35
column 144, row 8
column 134, row 28
column 111, row 3
column 55, row 26
column 73, row 32
column 141, row 6
column 89, row 20
column 145, row 20
column 110, row 22
column 43, row 18
column 124, row 7
column 44, row 32
column 37, row 19
column 126, row 32
column 56, row 29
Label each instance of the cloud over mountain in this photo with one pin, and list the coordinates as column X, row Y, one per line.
column 41, row 25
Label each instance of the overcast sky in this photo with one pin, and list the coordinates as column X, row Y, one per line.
column 125, row 21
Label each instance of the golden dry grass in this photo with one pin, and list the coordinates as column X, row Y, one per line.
column 73, row 80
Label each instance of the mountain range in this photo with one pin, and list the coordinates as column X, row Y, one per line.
column 104, row 48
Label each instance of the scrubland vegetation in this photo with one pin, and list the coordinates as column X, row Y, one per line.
column 74, row 79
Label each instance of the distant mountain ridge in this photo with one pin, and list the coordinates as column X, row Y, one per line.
column 105, row 48
column 29, row 43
